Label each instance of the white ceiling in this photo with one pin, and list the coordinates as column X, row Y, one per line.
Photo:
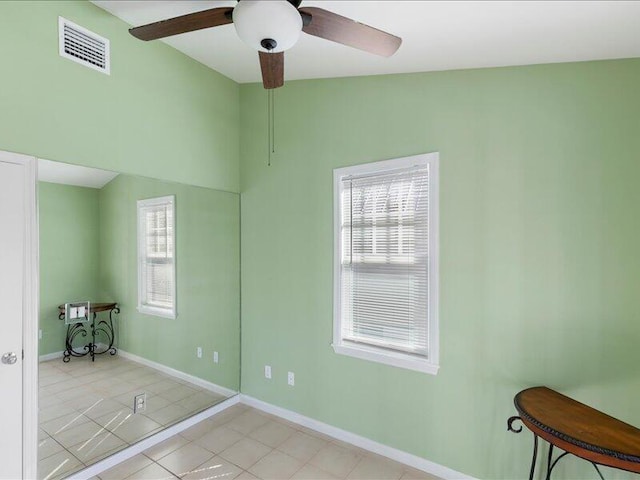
column 437, row 35
column 67, row 174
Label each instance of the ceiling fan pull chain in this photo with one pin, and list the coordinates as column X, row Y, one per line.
column 271, row 124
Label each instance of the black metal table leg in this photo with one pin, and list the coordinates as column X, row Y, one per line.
column 534, row 457
column 97, row 328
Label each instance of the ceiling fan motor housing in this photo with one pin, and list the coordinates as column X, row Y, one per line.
column 267, row 25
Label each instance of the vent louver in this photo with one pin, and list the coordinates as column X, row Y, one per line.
column 83, row 46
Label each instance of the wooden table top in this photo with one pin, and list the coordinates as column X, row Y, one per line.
column 579, row 429
column 95, row 307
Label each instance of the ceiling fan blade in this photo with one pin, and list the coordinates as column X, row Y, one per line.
column 334, row 27
column 272, row 66
column 213, row 17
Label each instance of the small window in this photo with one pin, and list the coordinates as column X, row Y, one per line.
column 386, row 262
column 156, row 257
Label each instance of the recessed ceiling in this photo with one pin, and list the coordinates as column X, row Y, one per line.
column 437, row 35
column 67, row 174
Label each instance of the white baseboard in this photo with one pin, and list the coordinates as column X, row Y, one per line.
column 227, row 392
column 50, row 356
column 361, row 442
column 149, row 442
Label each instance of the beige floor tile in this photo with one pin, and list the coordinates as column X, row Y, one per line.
column 105, row 407
column 49, row 400
column 316, row 434
column 227, row 415
column 336, row 460
column 133, row 374
column 148, row 378
column 198, row 430
column 97, row 447
column 54, row 411
column 102, row 391
column 376, row 468
column 48, row 447
column 414, row 474
column 351, row 446
column 126, row 398
column 54, row 389
column 59, row 425
column 276, row 465
column 169, row 415
column 247, row 422
column 115, row 388
column 161, row 386
column 302, row 446
column 77, row 434
column 51, row 378
column 57, row 465
column 85, row 402
column 246, row 476
column 272, row 433
column 219, row 439
column 152, row 472
column 155, row 403
column 309, row 472
column 114, row 419
column 178, row 393
column 245, row 453
column 214, row 469
column 126, row 468
column 166, row 447
column 135, row 427
column 201, row 400
column 183, row 460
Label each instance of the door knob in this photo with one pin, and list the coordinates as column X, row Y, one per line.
column 9, row 358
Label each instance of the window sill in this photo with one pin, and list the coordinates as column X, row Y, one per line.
column 395, row 359
column 157, row 312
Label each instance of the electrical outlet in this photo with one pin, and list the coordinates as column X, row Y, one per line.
column 199, row 352
column 215, row 357
column 267, row 372
column 40, row 334
column 291, row 379
column 140, row 403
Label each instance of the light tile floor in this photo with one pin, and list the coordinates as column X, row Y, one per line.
column 242, row 443
column 86, row 409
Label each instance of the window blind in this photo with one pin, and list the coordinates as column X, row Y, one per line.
column 157, row 255
column 385, row 259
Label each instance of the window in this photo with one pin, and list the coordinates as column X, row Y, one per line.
column 156, row 257
column 386, row 262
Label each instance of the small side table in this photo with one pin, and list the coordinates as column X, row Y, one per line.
column 84, row 329
column 577, row 429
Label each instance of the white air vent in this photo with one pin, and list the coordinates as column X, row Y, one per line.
column 83, row 46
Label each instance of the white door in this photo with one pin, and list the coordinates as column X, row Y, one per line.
column 17, row 212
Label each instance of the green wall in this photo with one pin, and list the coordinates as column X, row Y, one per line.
column 208, row 277
column 539, row 268
column 159, row 113
column 539, row 177
column 68, row 223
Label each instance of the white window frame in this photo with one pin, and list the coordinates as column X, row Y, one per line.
column 395, row 358
column 144, row 308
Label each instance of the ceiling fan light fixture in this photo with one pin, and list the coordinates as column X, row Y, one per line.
column 275, row 20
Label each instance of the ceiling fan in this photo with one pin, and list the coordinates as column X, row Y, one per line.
column 273, row 26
